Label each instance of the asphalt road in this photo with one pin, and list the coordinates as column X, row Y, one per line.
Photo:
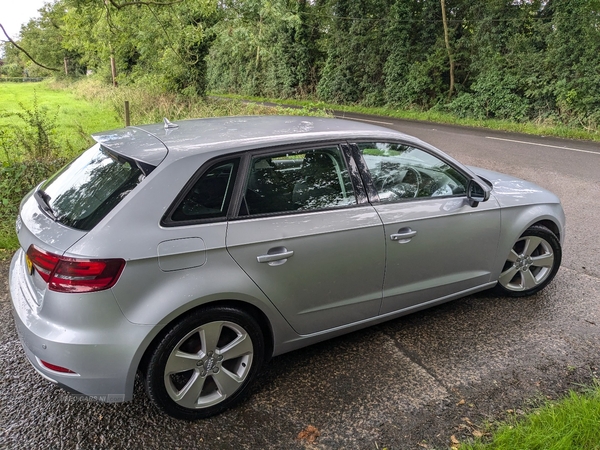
column 410, row 383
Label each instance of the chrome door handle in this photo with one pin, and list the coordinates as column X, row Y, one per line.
column 403, row 235
column 275, row 256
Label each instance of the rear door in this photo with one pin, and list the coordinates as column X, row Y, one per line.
column 308, row 238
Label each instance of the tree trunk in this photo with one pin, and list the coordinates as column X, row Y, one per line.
column 447, row 40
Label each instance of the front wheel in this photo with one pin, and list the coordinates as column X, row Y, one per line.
column 205, row 363
column 531, row 264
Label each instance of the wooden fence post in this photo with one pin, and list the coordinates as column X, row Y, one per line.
column 127, row 121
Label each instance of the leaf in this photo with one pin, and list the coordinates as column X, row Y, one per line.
column 454, row 440
column 461, row 402
column 309, row 434
column 477, row 433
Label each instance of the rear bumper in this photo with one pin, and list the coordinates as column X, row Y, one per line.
column 86, row 333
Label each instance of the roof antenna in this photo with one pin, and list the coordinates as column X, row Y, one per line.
column 169, row 124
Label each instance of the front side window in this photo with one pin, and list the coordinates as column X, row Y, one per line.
column 85, row 191
column 209, row 197
column 403, row 172
column 297, row 181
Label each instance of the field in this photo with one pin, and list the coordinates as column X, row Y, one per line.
column 76, row 117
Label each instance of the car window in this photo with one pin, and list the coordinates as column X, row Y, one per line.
column 296, row 181
column 404, row 172
column 85, row 191
column 210, row 196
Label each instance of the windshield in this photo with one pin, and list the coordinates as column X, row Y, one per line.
column 85, row 191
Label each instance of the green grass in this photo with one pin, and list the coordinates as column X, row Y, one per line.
column 570, row 424
column 77, row 118
column 534, row 128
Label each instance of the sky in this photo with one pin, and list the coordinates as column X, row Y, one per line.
column 14, row 13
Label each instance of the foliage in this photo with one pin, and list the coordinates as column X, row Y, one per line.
column 266, row 47
column 16, row 179
column 35, row 138
column 73, row 119
column 571, row 424
column 533, row 60
column 36, row 146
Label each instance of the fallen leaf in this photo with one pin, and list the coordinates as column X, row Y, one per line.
column 422, row 444
column 462, row 402
column 309, row 434
column 454, row 440
column 466, row 420
column 477, row 433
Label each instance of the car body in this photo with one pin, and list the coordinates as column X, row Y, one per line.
column 193, row 252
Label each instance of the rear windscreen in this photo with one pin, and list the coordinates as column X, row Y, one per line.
column 85, row 191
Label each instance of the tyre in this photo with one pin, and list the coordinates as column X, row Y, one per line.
column 204, row 364
column 531, row 264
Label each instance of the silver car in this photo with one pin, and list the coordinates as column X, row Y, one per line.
column 191, row 253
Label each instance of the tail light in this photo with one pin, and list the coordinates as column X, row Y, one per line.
column 74, row 274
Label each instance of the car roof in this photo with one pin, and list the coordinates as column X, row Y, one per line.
column 151, row 143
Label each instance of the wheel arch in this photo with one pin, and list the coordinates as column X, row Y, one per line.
column 517, row 220
column 552, row 226
column 258, row 315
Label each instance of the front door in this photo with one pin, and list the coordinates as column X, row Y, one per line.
column 437, row 244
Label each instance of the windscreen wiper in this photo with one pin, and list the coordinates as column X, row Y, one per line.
column 43, row 200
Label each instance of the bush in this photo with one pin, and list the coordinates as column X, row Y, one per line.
column 17, row 178
column 34, row 138
column 494, row 95
column 30, row 151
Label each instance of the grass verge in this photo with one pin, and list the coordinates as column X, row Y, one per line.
column 569, row 424
column 76, row 118
column 535, row 128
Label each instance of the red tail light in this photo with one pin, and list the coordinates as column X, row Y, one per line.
column 73, row 274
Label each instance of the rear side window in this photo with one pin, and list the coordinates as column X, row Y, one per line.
column 85, row 191
column 209, row 196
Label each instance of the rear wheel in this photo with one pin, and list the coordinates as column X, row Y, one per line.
column 205, row 363
column 531, row 264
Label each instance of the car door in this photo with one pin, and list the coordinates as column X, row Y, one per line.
column 437, row 244
column 308, row 237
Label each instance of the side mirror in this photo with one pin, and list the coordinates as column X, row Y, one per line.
column 477, row 192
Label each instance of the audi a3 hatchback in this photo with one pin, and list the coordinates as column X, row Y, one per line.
column 191, row 253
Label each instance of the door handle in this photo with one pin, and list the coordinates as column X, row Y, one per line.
column 403, row 235
column 275, row 256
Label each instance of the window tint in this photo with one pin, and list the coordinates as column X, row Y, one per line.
column 85, row 191
column 404, row 172
column 313, row 179
column 210, row 195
